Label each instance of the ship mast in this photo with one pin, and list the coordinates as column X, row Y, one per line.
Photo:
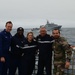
column 48, row 22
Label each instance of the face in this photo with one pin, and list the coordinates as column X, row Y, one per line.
column 42, row 31
column 30, row 36
column 56, row 34
column 8, row 27
column 20, row 32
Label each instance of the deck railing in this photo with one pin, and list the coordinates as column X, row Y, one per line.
column 70, row 71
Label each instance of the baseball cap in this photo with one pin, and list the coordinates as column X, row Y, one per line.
column 20, row 29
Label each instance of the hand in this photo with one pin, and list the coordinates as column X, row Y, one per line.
column 2, row 59
column 17, row 46
column 67, row 65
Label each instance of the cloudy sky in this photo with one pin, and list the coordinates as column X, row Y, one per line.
column 33, row 13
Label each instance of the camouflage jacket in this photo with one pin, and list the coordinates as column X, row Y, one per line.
column 61, row 49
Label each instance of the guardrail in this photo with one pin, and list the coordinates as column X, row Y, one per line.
column 70, row 71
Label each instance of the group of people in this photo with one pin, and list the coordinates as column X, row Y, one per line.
column 19, row 52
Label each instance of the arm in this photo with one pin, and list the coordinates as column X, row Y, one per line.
column 1, row 52
column 13, row 44
column 2, row 59
column 52, row 41
column 68, row 49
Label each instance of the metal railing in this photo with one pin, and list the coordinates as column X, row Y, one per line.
column 70, row 71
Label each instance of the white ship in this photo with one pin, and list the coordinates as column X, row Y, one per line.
column 49, row 26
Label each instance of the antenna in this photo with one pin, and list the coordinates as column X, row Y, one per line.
column 48, row 22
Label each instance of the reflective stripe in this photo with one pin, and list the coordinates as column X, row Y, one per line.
column 46, row 41
column 28, row 47
column 52, row 41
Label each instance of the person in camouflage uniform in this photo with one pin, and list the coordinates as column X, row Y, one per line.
column 62, row 52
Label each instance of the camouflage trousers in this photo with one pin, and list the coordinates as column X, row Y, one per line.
column 59, row 68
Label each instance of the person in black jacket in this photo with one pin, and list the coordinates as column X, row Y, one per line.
column 28, row 61
column 18, row 40
column 45, row 52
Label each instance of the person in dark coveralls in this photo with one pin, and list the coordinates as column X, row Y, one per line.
column 45, row 52
column 30, row 49
column 18, row 40
column 5, row 41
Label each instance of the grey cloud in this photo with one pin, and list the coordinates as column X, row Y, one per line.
column 35, row 12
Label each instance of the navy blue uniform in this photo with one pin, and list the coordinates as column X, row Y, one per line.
column 29, row 57
column 5, row 41
column 45, row 54
column 16, row 54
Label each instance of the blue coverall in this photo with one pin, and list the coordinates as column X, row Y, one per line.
column 5, row 41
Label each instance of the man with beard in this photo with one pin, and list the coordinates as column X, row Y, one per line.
column 62, row 53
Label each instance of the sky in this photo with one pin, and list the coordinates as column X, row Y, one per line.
column 33, row 13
